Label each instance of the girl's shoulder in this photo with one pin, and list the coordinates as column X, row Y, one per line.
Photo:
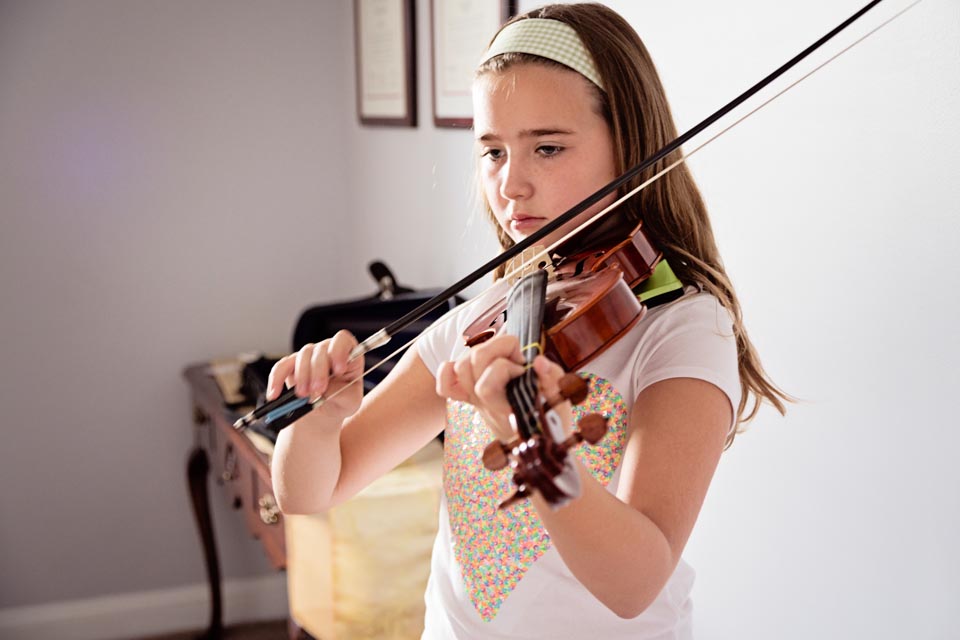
column 689, row 337
column 695, row 310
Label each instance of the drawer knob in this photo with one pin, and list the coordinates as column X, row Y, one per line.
column 229, row 465
column 269, row 511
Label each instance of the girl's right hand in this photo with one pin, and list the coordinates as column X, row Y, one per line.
column 322, row 369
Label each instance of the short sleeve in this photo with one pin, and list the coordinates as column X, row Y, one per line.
column 435, row 344
column 691, row 338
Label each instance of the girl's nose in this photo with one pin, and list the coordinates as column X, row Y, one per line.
column 515, row 183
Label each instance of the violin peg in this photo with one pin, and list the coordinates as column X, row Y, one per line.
column 574, row 388
column 592, row 428
column 495, row 456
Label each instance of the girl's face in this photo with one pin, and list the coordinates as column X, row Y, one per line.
column 543, row 146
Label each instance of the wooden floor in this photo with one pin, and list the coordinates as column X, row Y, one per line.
column 250, row 631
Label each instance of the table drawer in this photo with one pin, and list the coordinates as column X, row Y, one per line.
column 262, row 514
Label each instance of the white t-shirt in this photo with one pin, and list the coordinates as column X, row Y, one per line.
column 494, row 574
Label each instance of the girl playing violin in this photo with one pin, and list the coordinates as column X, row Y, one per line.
column 565, row 99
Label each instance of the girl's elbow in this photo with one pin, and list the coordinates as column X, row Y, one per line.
column 290, row 506
column 291, row 499
column 630, row 608
column 628, row 604
column 287, row 506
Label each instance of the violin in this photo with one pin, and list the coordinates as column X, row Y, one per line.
column 571, row 310
column 587, row 307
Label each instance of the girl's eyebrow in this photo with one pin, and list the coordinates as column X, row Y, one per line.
column 529, row 133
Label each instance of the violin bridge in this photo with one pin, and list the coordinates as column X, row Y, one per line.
column 526, row 262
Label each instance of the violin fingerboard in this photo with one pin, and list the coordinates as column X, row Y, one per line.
column 525, row 308
column 525, row 305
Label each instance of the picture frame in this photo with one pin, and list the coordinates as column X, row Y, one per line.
column 385, row 38
column 460, row 31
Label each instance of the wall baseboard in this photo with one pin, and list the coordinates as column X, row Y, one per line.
column 133, row 615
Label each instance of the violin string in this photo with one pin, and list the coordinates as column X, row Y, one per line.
column 529, row 376
column 519, row 387
column 514, row 388
column 525, row 264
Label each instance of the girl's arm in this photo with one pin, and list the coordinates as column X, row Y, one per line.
column 624, row 548
column 332, row 453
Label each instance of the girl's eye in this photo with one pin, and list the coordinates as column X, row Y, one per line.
column 549, row 150
column 493, row 154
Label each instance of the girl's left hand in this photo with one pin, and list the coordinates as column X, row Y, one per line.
column 480, row 378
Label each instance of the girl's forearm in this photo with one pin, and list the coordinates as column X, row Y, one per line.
column 615, row 551
column 306, row 465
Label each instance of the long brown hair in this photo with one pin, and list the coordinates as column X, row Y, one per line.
column 635, row 107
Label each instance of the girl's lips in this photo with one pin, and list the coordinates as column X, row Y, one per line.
column 521, row 223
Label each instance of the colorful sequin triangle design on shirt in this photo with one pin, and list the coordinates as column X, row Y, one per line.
column 496, row 548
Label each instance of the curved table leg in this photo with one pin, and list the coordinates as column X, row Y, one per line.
column 198, row 467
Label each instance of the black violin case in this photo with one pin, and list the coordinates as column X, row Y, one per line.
column 362, row 317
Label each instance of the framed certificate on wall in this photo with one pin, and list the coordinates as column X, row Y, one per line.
column 460, row 32
column 386, row 62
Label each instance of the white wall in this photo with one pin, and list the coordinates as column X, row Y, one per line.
column 836, row 212
column 143, row 143
column 169, row 175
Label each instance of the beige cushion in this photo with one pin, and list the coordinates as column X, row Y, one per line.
column 359, row 571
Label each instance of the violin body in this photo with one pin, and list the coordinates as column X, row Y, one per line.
column 587, row 306
column 635, row 256
column 590, row 301
column 583, row 316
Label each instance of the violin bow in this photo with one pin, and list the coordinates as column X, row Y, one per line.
column 288, row 407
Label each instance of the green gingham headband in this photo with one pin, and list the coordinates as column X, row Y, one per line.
column 549, row 39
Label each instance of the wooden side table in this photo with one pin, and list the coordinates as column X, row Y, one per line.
column 243, row 470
